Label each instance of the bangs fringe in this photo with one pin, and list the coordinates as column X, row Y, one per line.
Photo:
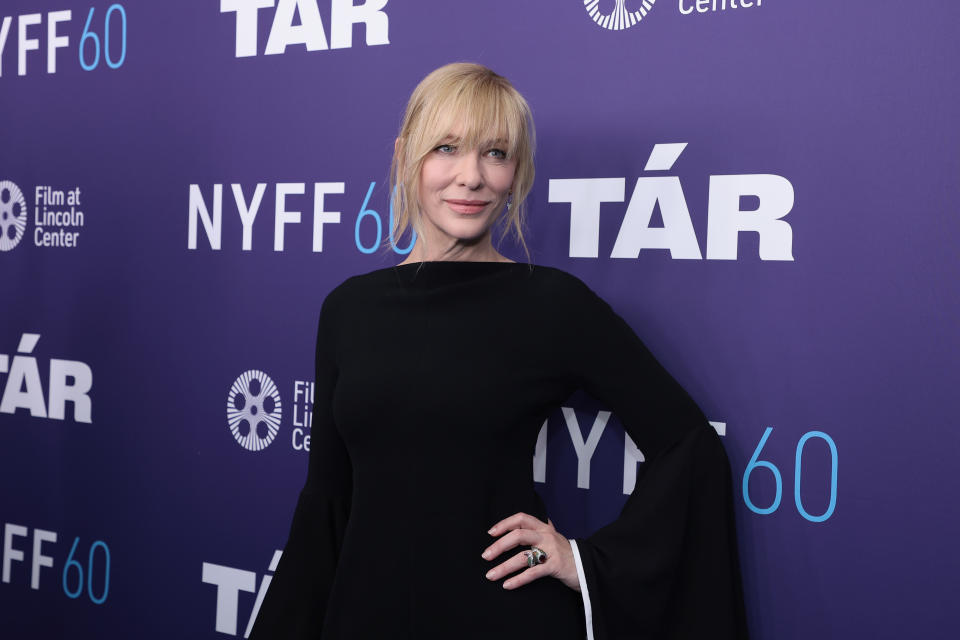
column 471, row 106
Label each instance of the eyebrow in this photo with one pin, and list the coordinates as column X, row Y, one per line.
column 452, row 138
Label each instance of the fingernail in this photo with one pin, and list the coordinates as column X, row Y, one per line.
column 507, row 584
column 492, row 529
column 490, row 575
column 486, row 555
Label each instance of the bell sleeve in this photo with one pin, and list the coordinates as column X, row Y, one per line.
column 668, row 566
column 296, row 600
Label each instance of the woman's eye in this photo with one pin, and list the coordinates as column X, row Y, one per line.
column 445, row 148
column 499, row 154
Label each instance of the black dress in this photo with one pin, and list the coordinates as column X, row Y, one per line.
column 433, row 380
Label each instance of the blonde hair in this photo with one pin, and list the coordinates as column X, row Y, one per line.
column 488, row 107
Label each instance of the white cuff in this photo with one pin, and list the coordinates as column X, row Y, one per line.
column 587, row 611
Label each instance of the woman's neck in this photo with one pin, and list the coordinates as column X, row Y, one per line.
column 456, row 254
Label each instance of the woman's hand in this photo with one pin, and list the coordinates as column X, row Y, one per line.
column 523, row 529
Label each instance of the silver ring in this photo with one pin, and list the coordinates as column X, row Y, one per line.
column 535, row 556
column 531, row 562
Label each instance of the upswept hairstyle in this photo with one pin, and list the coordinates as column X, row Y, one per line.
column 488, row 107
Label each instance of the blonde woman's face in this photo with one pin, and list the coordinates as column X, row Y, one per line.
column 463, row 190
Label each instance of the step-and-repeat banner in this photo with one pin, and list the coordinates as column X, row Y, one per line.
column 764, row 189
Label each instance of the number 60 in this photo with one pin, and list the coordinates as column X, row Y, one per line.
column 755, row 463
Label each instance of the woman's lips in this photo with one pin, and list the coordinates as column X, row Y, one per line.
column 467, row 206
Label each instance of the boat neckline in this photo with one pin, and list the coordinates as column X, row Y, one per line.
column 422, row 262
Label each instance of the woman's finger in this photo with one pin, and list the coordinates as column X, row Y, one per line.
column 511, row 565
column 517, row 521
column 510, row 540
column 526, row 577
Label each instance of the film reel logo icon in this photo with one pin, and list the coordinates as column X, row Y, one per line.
column 254, row 410
column 619, row 18
column 13, row 215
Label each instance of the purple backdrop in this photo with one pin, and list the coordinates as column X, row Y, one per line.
column 793, row 265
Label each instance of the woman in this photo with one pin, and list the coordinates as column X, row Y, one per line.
column 419, row 517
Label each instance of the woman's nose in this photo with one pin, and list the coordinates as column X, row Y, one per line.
column 468, row 171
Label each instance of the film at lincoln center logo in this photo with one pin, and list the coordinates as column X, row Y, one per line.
column 13, row 215
column 253, row 410
column 619, row 18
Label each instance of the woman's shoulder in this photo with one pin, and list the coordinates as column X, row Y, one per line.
column 360, row 283
column 351, row 288
column 557, row 281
